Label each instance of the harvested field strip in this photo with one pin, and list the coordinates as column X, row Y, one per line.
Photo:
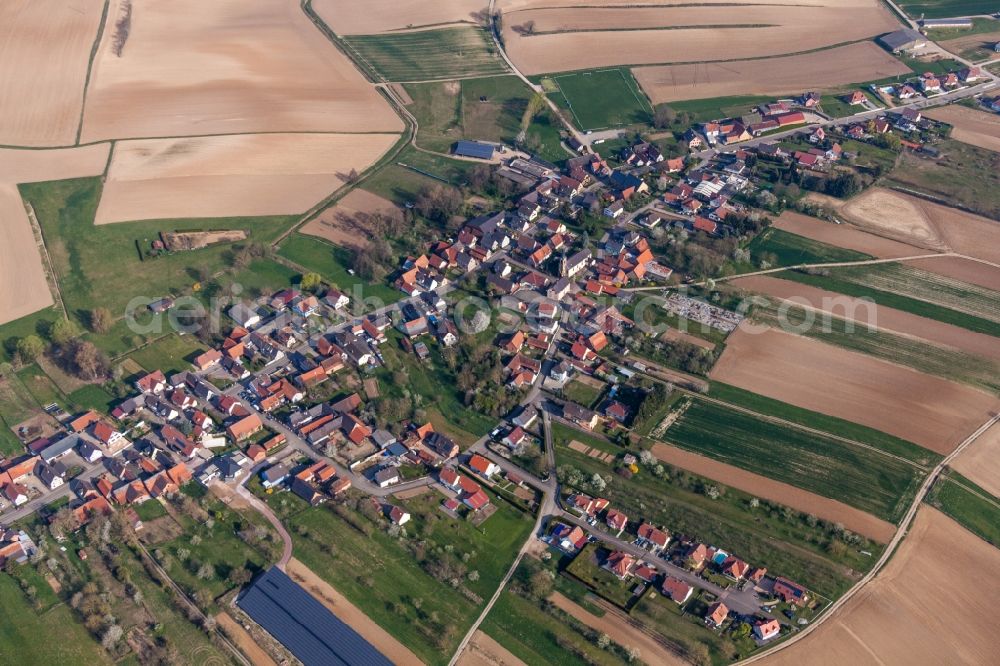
column 769, row 407
column 863, row 478
column 908, row 350
column 927, row 410
column 929, row 287
column 833, row 282
column 843, row 235
column 444, row 53
column 980, row 462
column 970, row 125
column 971, row 506
column 776, row 491
column 789, row 249
column 349, row 17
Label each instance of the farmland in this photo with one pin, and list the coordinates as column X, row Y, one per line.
column 973, row 44
column 929, row 411
column 100, row 266
column 43, row 72
column 541, row 37
column 443, row 53
column 980, row 462
column 838, row 66
column 948, row 8
column 602, row 98
column 336, row 223
column 863, row 478
column 940, row 560
column 879, row 285
column 191, row 68
column 965, row 175
column 332, row 263
column 788, row 249
column 843, row 236
column 968, row 504
column 978, row 128
column 229, row 176
column 350, row 18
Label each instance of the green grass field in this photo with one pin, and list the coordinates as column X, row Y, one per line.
column 948, row 8
column 965, row 175
column 844, row 283
column 581, row 393
column 23, row 633
column 384, row 576
column 93, row 397
column 830, row 424
column 101, row 266
column 791, row 249
column 444, row 53
column 972, row 507
column 34, row 324
column 862, row 478
column 602, row 98
column 702, row 110
column 171, row 354
column 332, row 263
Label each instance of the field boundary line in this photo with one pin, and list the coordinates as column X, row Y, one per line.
column 50, row 274
column 974, row 493
column 90, row 68
column 889, row 551
column 804, row 428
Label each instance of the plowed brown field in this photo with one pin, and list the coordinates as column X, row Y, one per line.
column 862, row 61
column 971, row 126
column 933, row 604
column 44, row 52
column 844, row 235
column 250, row 174
column 350, row 17
column 929, row 411
column 224, row 67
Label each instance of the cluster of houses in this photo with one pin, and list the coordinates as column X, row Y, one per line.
column 930, row 84
column 771, row 117
column 692, row 555
column 313, row 481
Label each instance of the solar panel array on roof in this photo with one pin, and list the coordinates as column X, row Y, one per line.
column 483, row 151
column 305, row 626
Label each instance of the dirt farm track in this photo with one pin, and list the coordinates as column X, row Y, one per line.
column 565, row 37
column 933, row 604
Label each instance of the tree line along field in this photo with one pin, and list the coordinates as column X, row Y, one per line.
column 443, row 53
column 968, row 504
column 863, row 478
column 599, row 99
column 775, row 537
column 389, row 577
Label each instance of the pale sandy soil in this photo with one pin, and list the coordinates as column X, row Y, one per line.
column 349, row 17
column 484, row 651
column 244, row 641
column 863, row 61
column 776, row 491
column 620, row 631
column 923, row 223
column 44, row 50
column 260, row 174
column 932, row 412
column 337, row 224
column 869, row 314
column 191, row 67
column 23, row 288
column 845, row 236
column 597, row 43
column 933, row 604
column 351, row 615
column 971, row 126
column 980, row 462
column 34, row 166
